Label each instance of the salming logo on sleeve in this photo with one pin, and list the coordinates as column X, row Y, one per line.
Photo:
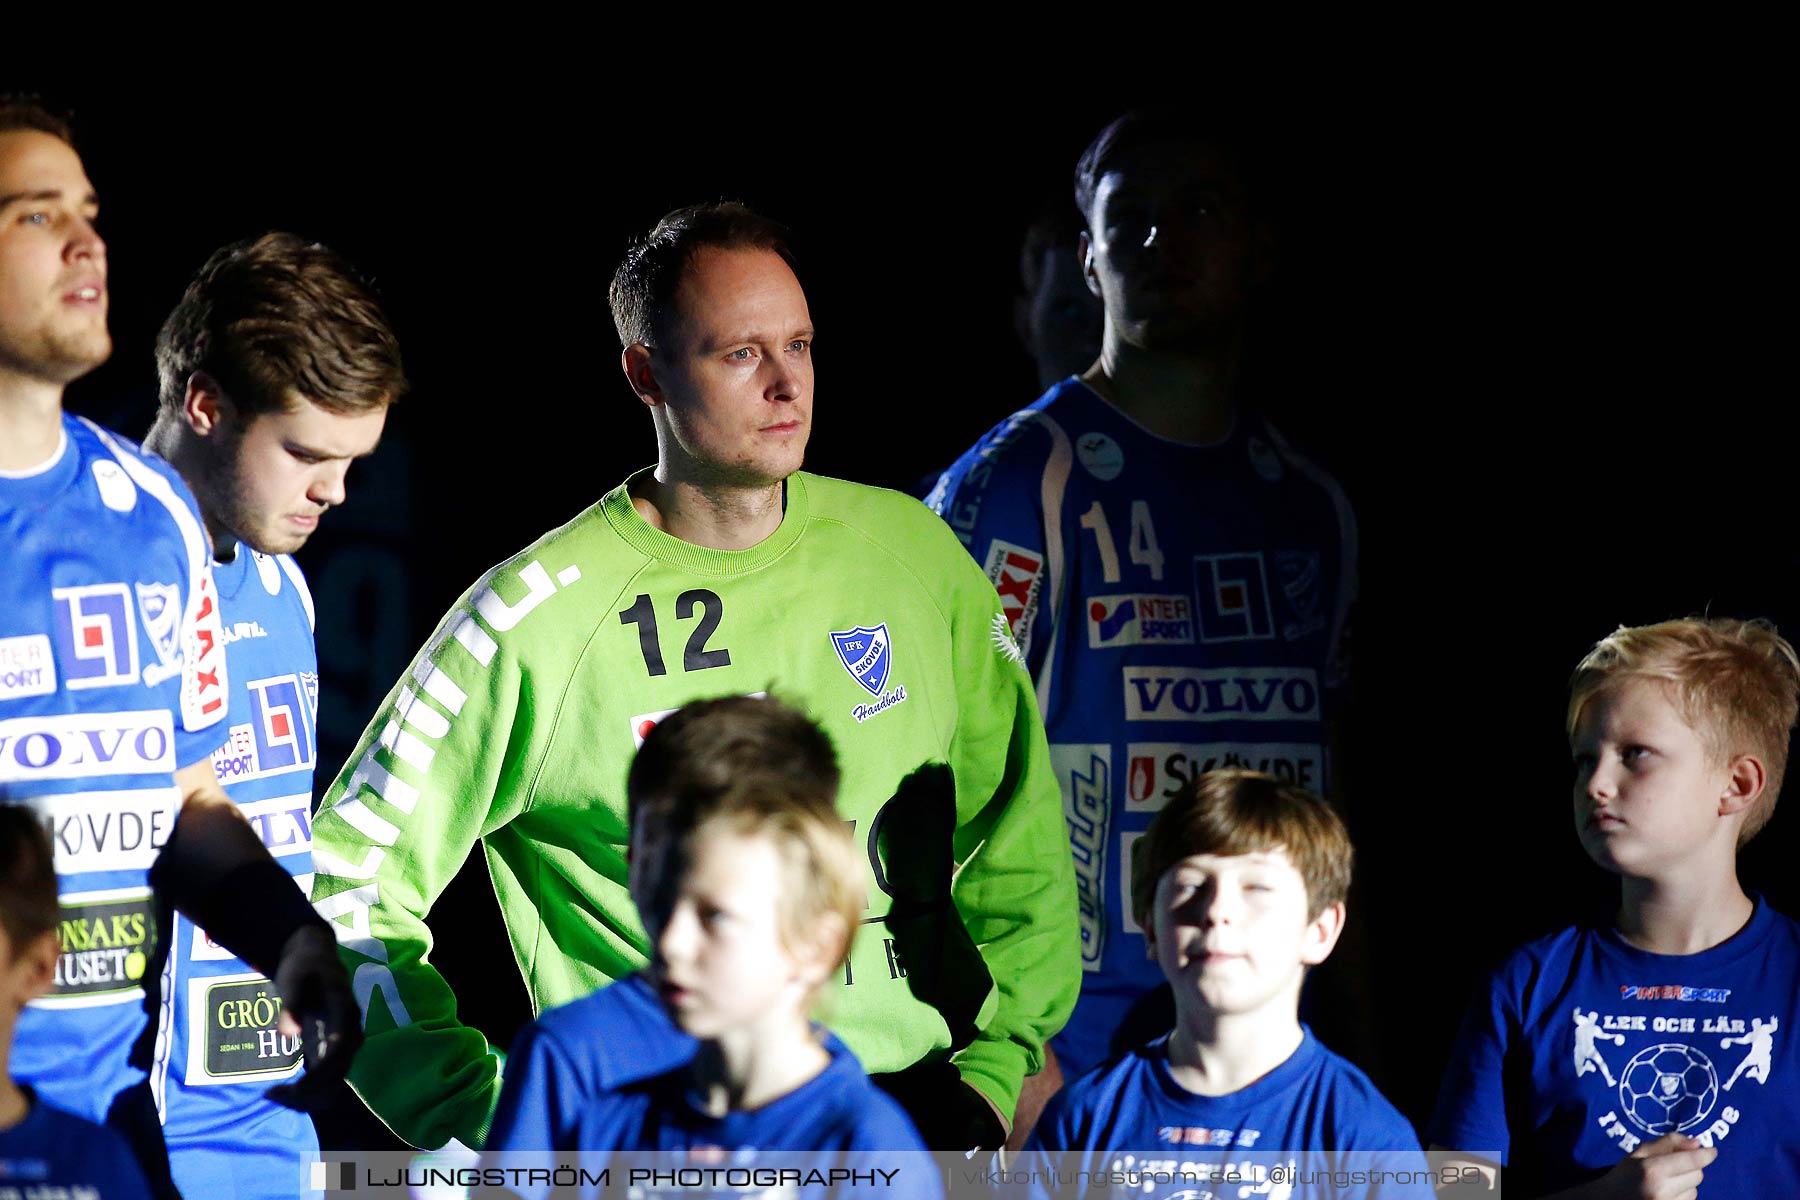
column 408, row 742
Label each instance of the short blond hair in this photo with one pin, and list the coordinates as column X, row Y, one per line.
column 1736, row 683
column 751, row 766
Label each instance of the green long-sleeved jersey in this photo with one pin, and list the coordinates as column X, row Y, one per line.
column 517, row 722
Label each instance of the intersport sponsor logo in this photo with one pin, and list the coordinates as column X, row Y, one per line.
column 1221, row 694
column 1139, row 619
column 80, row 745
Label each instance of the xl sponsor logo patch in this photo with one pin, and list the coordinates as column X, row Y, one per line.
column 1139, row 620
column 232, row 1034
column 1157, row 771
column 108, row 940
column 1221, row 694
column 96, row 635
column 1085, row 773
column 203, row 682
column 1018, row 575
column 107, row 831
column 26, row 666
column 77, row 745
column 1232, row 594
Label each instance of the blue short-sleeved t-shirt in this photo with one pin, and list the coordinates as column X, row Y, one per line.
column 1131, row 1113
column 608, row 1039
column 605, row 1104
column 1581, row 1047
column 51, row 1149
column 838, row 1109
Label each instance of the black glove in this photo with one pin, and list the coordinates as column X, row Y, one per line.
column 215, row 869
column 948, row 1113
column 315, row 992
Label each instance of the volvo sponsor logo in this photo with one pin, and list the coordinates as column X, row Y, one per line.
column 1157, row 771
column 1221, row 694
column 26, row 666
column 77, row 745
column 284, row 823
column 1139, row 620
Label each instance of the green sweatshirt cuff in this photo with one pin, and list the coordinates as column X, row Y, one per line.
column 997, row 1070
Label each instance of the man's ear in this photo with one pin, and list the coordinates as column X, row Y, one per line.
column 1085, row 245
column 39, row 958
column 1322, row 934
column 640, row 373
column 204, row 407
column 1743, row 784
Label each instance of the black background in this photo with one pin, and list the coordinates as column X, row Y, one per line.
column 1527, row 309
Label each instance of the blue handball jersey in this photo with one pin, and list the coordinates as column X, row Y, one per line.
column 1181, row 608
column 225, row 1138
column 1582, row 1047
column 1314, row 1114
column 112, row 676
column 54, row 1153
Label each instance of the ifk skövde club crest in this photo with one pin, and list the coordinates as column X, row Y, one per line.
column 866, row 655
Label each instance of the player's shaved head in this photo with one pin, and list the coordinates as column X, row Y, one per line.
column 644, row 287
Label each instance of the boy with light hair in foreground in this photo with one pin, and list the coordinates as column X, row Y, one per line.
column 750, row 888
column 1645, row 1055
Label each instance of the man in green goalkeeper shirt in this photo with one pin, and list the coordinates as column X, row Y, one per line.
column 723, row 569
